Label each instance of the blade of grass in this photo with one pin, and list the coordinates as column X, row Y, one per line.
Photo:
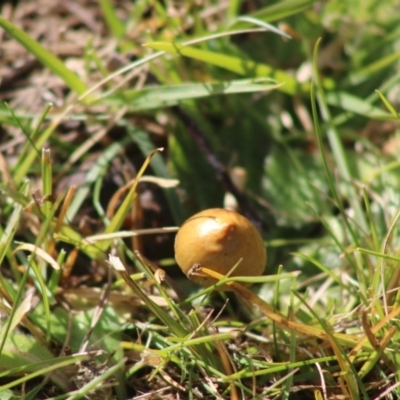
column 276, row 302
column 349, row 372
column 39, row 281
column 368, row 71
column 328, row 174
column 114, row 24
column 16, row 301
column 354, row 232
column 51, row 366
column 370, row 219
column 97, row 171
column 22, row 166
column 339, row 156
column 378, row 353
column 290, row 86
column 157, row 163
column 279, row 11
column 39, row 252
column 352, row 104
column 281, row 320
column 388, row 104
column 175, row 327
column 235, row 64
column 47, row 181
column 13, row 223
column 281, row 367
column 36, row 140
column 97, row 381
column 292, row 349
column 168, row 95
column 123, row 211
column 47, row 58
column 262, row 24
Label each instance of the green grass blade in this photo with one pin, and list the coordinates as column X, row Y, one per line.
column 235, row 64
column 157, row 163
column 97, row 171
column 281, row 10
column 366, row 72
column 47, row 58
column 328, row 173
column 35, row 141
column 9, row 326
column 47, row 181
column 13, row 223
column 351, row 103
column 169, row 95
column 114, row 24
column 176, row 328
column 97, row 382
column 388, row 105
column 22, row 166
column 29, row 350
column 339, row 155
column 265, row 25
column 125, row 207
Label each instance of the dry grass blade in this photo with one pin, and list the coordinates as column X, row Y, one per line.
column 280, row 319
column 39, row 252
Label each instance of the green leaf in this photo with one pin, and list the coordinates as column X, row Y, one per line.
column 24, row 354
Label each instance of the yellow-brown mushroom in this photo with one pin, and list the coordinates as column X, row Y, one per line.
column 218, row 239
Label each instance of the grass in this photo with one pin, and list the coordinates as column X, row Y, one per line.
column 152, row 111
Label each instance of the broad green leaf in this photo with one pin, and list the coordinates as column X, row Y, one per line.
column 25, row 353
column 79, row 325
column 8, row 395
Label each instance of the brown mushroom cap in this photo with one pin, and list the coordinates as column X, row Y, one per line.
column 217, row 239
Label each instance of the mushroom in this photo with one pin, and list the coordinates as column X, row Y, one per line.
column 218, row 239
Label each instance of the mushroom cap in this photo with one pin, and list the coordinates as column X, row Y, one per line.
column 218, row 239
